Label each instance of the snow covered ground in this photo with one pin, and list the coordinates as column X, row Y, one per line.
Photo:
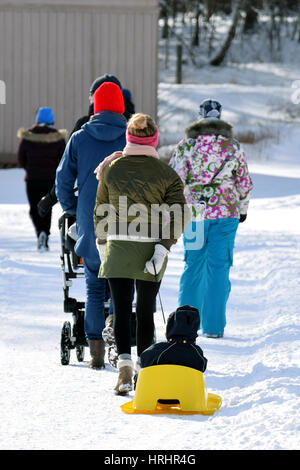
column 254, row 368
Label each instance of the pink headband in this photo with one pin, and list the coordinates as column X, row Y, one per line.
column 152, row 141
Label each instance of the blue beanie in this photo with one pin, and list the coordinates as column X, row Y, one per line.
column 45, row 116
column 126, row 94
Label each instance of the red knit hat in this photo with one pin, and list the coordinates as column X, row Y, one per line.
column 109, row 97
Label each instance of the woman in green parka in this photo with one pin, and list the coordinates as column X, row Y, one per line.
column 140, row 213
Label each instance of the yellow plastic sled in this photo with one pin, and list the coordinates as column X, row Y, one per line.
column 171, row 382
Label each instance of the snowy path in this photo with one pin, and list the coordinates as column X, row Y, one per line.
column 255, row 367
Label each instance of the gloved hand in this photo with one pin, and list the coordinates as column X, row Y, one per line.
column 45, row 204
column 72, row 232
column 101, row 247
column 154, row 265
column 243, row 217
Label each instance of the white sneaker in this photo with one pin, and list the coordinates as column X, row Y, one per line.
column 43, row 242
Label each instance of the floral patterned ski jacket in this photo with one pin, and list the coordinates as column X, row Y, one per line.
column 213, row 169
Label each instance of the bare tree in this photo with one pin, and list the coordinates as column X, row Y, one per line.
column 165, row 16
column 251, row 18
column 220, row 56
column 195, row 39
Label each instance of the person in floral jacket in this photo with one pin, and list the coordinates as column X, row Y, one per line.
column 217, row 183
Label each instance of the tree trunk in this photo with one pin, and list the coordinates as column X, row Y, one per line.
column 220, row 56
column 179, row 63
column 195, row 41
column 165, row 16
column 251, row 17
column 299, row 23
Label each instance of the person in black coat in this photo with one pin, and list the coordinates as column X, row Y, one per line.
column 180, row 346
column 39, row 153
column 129, row 105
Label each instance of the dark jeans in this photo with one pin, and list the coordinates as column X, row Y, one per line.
column 35, row 191
column 121, row 293
column 94, row 321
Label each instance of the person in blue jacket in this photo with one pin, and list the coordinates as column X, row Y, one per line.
column 50, row 199
column 98, row 138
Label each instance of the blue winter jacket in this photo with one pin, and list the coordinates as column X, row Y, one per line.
column 98, row 138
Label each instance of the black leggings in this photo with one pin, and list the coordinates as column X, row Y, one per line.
column 121, row 293
column 36, row 189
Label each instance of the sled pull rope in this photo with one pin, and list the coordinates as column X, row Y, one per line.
column 161, row 306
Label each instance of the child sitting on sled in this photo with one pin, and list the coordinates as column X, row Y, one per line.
column 180, row 346
column 178, row 385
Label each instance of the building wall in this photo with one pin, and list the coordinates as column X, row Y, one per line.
column 51, row 51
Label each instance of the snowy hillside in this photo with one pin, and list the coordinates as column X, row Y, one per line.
column 254, row 368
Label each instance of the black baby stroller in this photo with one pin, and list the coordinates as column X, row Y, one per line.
column 73, row 336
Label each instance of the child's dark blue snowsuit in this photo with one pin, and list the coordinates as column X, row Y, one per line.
column 180, row 348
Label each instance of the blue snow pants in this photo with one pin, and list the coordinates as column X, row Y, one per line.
column 205, row 283
column 94, row 320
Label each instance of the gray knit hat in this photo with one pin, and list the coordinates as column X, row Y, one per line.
column 210, row 109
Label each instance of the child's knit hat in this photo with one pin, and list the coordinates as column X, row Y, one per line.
column 184, row 322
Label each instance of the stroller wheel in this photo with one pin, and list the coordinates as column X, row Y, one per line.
column 80, row 353
column 65, row 343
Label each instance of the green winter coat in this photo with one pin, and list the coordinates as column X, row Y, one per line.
column 144, row 184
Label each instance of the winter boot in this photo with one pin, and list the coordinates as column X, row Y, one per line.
column 124, row 384
column 108, row 336
column 97, row 352
column 42, row 244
